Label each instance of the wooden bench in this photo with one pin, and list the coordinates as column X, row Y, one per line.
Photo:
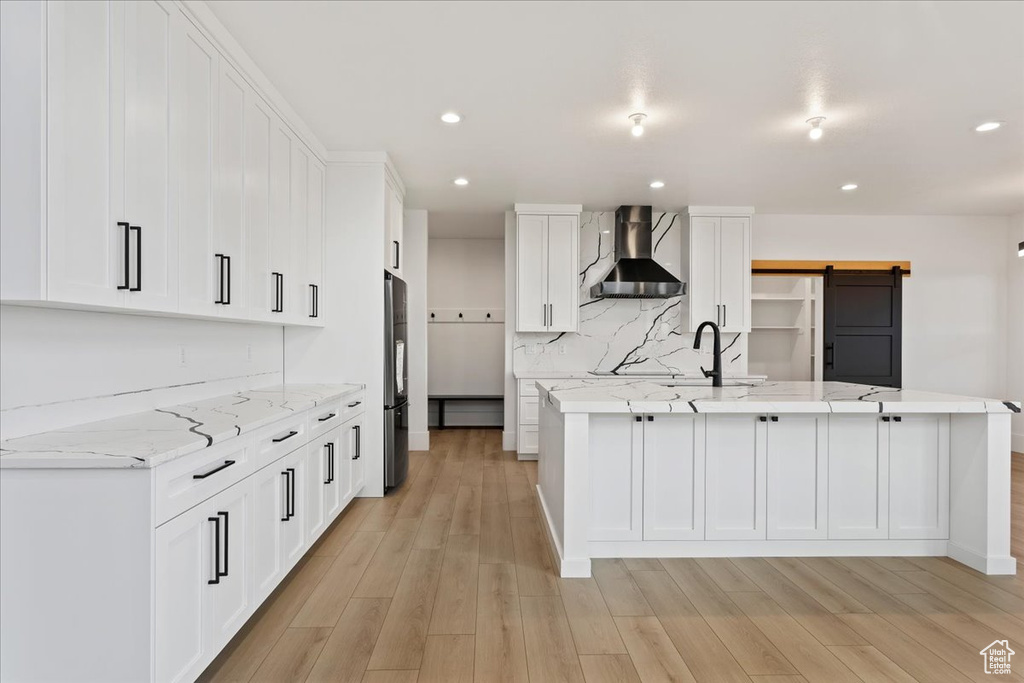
column 457, row 397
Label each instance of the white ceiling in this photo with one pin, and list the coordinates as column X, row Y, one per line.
column 545, row 90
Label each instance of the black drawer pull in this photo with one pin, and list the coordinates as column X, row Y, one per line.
column 215, row 470
column 762, row 418
column 775, row 418
column 898, row 419
column 326, row 417
column 285, row 437
column 353, row 405
column 885, row 418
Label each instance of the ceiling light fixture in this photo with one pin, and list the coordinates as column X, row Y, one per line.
column 450, row 117
column 638, row 124
column 988, row 126
column 461, row 182
column 816, row 132
column 848, row 187
column 657, row 185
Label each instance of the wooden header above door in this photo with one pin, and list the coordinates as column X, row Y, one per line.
column 818, row 267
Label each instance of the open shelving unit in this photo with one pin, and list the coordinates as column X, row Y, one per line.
column 786, row 329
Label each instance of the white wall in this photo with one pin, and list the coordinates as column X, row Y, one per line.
column 467, row 357
column 59, row 368
column 414, row 258
column 954, row 303
column 1015, row 325
column 510, row 432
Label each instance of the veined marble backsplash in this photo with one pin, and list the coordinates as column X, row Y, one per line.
column 626, row 335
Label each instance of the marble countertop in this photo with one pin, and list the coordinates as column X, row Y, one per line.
column 156, row 436
column 587, row 374
column 646, row 396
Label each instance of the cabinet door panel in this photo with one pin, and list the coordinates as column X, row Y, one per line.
column 293, row 535
column 674, row 478
column 735, row 466
column 616, row 478
column 230, row 601
column 196, row 145
column 150, row 28
column 298, row 282
column 919, row 477
column 316, row 485
column 85, row 261
column 268, row 509
column 531, row 273
column 257, row 208
column 858, row 482
column 183, row 566
column 394, row 231
column 798, row 477
column 229, row 235
column 280, row 212
column 335, row 484
column 357, row 476
column 734, row 273
column 315, row 233
column 563, row 273
column 703, row 283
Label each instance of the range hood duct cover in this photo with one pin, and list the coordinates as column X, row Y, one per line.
column 635, row 274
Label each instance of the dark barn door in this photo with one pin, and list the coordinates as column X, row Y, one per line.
column 863, row 327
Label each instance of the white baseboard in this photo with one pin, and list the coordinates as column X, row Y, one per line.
column 419, row 441
column 508, row 441
column 527, row 456
column 985, row 565
column 578, row 568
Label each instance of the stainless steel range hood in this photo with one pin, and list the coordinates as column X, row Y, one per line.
column 635, row 274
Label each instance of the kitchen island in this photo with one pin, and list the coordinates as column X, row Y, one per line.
column 636, row 468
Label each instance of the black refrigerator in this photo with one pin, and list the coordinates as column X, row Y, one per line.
column 396, row 383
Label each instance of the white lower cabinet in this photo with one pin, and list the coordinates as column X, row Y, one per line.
column 352, row 438
column 336, row 481
column 797, row 494
column 919, row 476
column 735, row 477
column 616, row 477
column 673, row 494
column 269, row 510
column 293, row 468
column 858, row 489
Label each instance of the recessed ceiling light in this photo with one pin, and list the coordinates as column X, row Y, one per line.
column 657, row 185
column 450, row 117
column 638, row 124
column 606, row 232
column 461, row 182
column 988, row 125
column 816, row 131
column 849, row 187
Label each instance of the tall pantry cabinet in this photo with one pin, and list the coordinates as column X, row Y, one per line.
column 168, row 183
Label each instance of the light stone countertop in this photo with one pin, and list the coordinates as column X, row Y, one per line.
column 156, row 436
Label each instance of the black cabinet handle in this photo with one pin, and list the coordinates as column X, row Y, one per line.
column 291, row 498
column 898, row 418
column 330, row 463
column 216, row 550
column 326, row 417
column 138, row 258
column 650, row 418
column 278, row 293
column 885, row 418
column 314, row 292
column 227, row 544
column 127, row 248
column 398, row 250
column 285, row 437
column 220, row 278
column 287, row 495
column 227, row 296
column 775, row 418
column 762, row 418
column 359, row 445
column 639, row 418
column 830, row 360
column 215, row 470
column 353, row 405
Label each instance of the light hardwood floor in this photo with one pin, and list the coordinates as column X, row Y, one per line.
column 450, row 580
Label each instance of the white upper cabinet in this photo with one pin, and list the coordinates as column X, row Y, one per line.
column 394, row 228
column 169, row 184
column 716, row 252
column 547, row 270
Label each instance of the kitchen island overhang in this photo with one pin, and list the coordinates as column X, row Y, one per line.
column 631, row 468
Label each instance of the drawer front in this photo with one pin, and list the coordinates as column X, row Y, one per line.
column 528, row 410
column 281, row 438
column 323, row 419
column 183, row 483
column 528, row 439
column 353, row 405
column 528, row 387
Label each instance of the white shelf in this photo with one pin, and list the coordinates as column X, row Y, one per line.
column 776, row 327
column 776, row 297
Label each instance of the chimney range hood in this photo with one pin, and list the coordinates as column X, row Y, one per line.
column 635, row 274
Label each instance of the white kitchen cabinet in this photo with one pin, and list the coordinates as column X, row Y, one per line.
column 229, row 233
column 269, row 509
column 314, row 492
column 315, row 241
column 797, row 466
column 716, row 256
column 259, row 284
column 858, row 467
column 336, row 481
column 918, row 476
column 673, row 475
column 352, row 437
column 280, row 219
column 195, row 140
column 547, row 271
column 231, row 599
column 297, row 280
column 616, row 477
column 294, row 470
column 735, row 477
column 394, row 228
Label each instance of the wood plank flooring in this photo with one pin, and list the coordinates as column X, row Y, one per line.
column 450, row 579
